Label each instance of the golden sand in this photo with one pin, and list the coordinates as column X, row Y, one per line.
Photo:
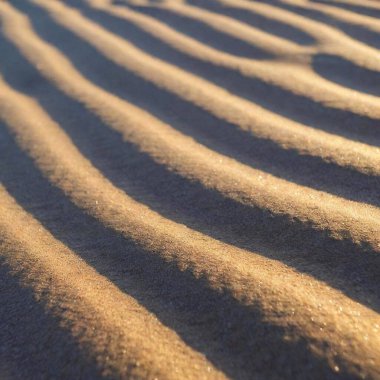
column 189, row 189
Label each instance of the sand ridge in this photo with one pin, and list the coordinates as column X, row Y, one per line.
column 249, row 256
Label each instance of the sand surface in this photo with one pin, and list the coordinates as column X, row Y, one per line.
column 189, row 189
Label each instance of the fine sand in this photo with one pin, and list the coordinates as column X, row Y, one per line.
column 190, row 189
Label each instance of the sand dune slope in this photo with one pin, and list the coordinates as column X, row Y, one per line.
column 189, row 189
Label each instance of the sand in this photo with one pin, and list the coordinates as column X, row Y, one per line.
column 189, row 189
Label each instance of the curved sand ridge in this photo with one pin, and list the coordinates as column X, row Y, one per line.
column 216, row 261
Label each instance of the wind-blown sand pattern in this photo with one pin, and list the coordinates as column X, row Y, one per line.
column 190, row 189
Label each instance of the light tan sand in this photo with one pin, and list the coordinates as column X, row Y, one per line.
column 189, row 189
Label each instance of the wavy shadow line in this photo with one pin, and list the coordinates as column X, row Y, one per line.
column 216, row 134
column 280, row 29
column 281, row 101
column 335, row 262
column 233, row 336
